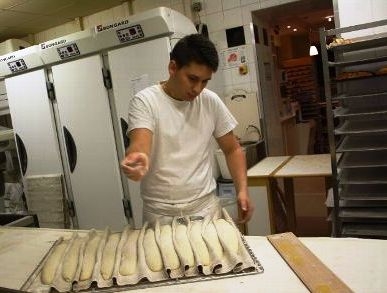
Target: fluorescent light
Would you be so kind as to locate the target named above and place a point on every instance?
(313, 51)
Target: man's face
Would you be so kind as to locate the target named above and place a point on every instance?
(188, 81)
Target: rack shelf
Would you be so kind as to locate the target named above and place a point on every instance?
(362, 143)
(357, 129)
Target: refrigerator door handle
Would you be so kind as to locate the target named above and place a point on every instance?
(71, 149)
(124, 128)
(22, 154)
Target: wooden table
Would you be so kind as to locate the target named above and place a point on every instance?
(267, 171)
(261, 174)
(360, 263)
(302, 166)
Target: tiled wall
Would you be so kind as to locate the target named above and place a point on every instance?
(218, 15)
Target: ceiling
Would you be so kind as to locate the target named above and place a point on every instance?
(305, 15)
(18, 18)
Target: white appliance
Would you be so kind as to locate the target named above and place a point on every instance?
(70, 112)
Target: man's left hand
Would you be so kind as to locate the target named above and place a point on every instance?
(246, 207)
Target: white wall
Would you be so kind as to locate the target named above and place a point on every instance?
(352, 12)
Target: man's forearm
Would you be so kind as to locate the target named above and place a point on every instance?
(236, 162)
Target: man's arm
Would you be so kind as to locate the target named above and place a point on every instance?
(136, 162)
(236, 162)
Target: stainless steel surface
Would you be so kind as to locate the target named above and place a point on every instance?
(363, 143)
(364, 111)
(362, 127)
(366, 159)
(368, 192)
(365, 230)
(363, 176)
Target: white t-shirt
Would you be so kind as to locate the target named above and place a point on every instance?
(180, 165)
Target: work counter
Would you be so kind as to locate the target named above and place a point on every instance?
(360, 263)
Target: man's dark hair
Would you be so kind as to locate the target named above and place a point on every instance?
(197, 48)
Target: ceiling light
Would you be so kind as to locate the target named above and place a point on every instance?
(329, 19)
(313, 51)
(288, 26)
(294, 29)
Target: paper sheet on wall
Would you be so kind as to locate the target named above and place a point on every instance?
(139, 83)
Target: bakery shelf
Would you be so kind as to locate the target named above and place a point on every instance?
(369, 192)
(373, 76)
(357, 62)
(363, 143)
(364, 96)
(366, 159)
(365, 230)
(376, 42)
(365, 213)
(377, 175)
(362, 127)
(348, 112)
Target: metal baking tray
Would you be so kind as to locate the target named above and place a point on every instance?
(367, 96)
(356, 112)
(369, 192)
(257, 269)
(362, 127)
(363, 229)
(365, 159)
(364, 213)
(377, 175)
(363, 143)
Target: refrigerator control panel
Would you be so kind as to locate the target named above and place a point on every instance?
(130, 33)
(17, 65)
(70, 50)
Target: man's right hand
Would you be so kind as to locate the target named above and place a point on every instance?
(135, 165)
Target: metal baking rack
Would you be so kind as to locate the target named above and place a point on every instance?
(357, 129)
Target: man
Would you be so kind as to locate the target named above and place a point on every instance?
(171, 126)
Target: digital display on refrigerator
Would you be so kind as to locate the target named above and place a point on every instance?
(130, 33)
(70, 50)
(17, 65)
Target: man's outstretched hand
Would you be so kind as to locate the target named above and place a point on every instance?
(135, 165)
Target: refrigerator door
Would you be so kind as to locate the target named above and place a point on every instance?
(85, 117)
(132, 69)
(33, 124)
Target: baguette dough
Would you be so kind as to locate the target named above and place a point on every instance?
(70, 262)
(212, 240)
(152, 252)
(52, 263)
(129, 254)
(109, 255)
(227, 235)
(198, 244)
(89, 257)
(167, 249)
(183, 246)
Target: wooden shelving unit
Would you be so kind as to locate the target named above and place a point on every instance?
(302, 86)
